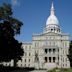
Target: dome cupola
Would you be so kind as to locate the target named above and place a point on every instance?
(52, 19)
(52, 23)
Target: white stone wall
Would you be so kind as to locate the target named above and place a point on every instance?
(52, 40)
(27, 59)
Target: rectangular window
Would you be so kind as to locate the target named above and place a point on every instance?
(35, 44)
(46, 51)
(28, 65)
(49, 59)
(49, 50)
(25, 53)
(58, 58)
(54, 50)
(53, 59)
(29, 54)
(45, 59)
(63, 65)
(25, 65)
(29, 60)
(29, 46)
(58, 50)
(66, 65)
(25, 60)
(21, 65)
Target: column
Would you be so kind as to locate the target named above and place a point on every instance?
(48, 59)
(51, 59)
(56, 61)
(52, 51)
(47, 51)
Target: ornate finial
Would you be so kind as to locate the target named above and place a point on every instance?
(52, 5)
(52, 8)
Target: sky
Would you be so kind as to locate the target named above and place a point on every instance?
(34, 13)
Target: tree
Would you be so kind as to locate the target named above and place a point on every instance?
(70, 53)
(6, 15)
(10, 48)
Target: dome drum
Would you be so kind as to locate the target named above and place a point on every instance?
(55, 29)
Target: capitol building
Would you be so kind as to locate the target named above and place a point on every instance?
(48, 49)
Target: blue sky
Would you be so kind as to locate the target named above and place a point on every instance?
(34, 13)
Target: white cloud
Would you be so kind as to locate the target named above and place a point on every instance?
(15, 2)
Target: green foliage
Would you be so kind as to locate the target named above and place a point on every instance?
(59, 70)
(6, 15)
(53, 70)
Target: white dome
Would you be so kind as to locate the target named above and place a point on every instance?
(52, 23)
(52, 19)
